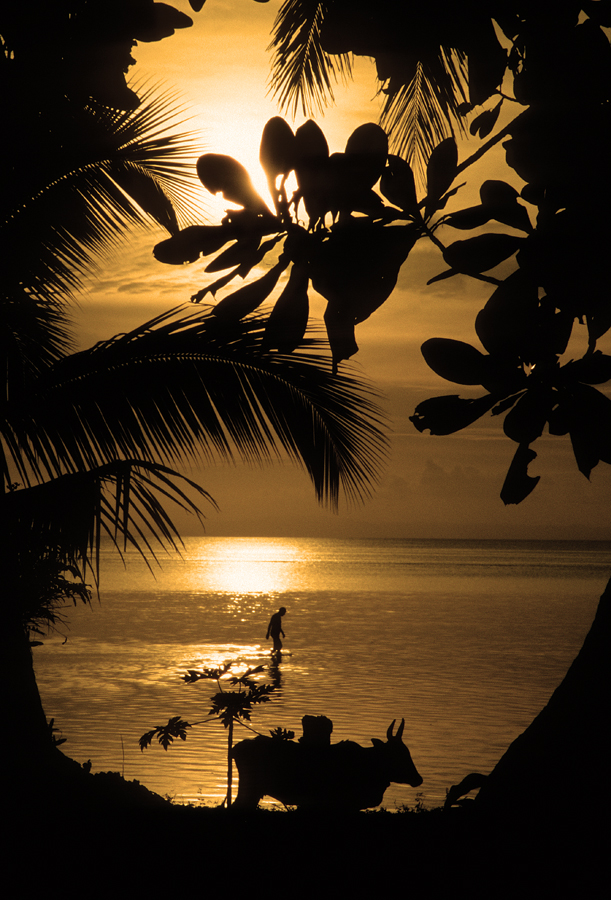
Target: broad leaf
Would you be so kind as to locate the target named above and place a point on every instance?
(358, 265)
(525, 422)
(224, 174)
(193, 242)
(398, 185)
(312, 168)
(277, 149)
(509, 316)
(515, 323)
(588, 414)
(463, 364)
(592, 369)
(440, 172)
(496, 193)
(487, 61)
(310, 143)
(340, 326)
(367, 149)
(288, 320)
(479, 254)
(446, 415)
(518, 483)
(455, 360)
(157, 21)
(244, 249)
(221, 282)
(246, 299)
(471, 217)
(501, 200)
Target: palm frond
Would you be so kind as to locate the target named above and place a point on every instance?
(104, 171)
(52, 531)
(188, 386)
(303, 74)
(424, 109)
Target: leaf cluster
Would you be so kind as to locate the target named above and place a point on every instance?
(226, 706)
(282, 734)
(362, 219)
(557, 261)
(166, 734)
(232, 706)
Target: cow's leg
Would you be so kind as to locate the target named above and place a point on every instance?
(248, 796)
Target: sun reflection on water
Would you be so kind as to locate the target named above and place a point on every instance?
(247, 566)
(214, 656)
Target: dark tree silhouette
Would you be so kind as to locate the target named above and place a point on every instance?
(446, 67)
(86, 436)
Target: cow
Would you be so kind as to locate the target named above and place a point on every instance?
(316, 774)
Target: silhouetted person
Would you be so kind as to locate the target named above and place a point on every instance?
(274, 629)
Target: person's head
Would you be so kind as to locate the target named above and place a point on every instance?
(282, 610)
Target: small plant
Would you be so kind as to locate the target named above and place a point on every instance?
(228, 707)
(282, 734)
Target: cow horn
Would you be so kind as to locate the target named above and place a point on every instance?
(399, 734)
(390, 728)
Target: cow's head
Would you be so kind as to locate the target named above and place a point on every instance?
(397, 757)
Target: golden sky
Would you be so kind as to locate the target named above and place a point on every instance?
(433, 486)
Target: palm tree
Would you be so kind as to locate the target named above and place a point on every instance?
(86, 436)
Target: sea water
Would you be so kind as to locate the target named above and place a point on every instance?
(465, 640)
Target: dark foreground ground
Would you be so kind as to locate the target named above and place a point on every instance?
(99, 836)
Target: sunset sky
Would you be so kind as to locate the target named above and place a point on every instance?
(433, 486)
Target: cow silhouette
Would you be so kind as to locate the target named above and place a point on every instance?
(313, 773)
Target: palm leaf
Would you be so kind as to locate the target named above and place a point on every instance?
(420, 112)
(183, 387)
(76, 201)
(52, 531)
(303, 74)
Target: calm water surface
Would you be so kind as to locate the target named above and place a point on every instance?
(466, 640)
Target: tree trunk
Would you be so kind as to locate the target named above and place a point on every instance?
(27, 746)
(558, 769)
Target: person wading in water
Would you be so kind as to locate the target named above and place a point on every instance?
(274, 629)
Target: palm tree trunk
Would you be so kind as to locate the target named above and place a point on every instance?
(559, 767)
(30, 747)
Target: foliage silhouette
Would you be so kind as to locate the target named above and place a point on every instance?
(557, 276)
(434, 61)
(86, 436)
(228, 707)
(551, 64)
(445, 70)
(354, 261)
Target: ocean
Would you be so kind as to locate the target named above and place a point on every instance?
(465, 640)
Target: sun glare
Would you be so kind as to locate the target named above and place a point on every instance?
(243, 565)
